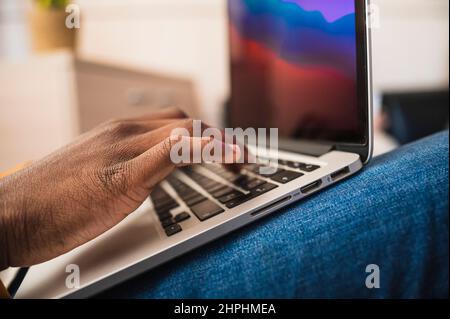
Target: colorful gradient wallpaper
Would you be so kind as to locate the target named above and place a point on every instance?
(293, 66)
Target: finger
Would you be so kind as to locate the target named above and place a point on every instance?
(145, 141)
(153, 166)
(151, 125)
(163, 114)
(202, 150)
(130, 128)
(245, 158)
(150, 139)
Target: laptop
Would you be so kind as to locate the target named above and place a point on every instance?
(302, 66)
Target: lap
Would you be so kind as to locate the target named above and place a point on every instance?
(393, 214)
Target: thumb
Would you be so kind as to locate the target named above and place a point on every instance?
(153, 166)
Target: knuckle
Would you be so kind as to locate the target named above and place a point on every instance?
(111, 122)
(114, 178)
(123, 128)
(179, 112)
(163, 153)
(124, 152)
(187, 124)
(167, 145)
(115, 126)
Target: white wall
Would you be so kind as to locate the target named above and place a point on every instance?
(410, 49)
(13, 30)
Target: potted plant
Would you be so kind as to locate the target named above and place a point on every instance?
(47, 21)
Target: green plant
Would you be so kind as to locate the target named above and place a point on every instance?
(53, 3)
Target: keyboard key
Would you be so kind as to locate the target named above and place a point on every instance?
(206, 210)
(266, 171)
(222, 192)
(207, 183)
(159, 193)
(195, 200)
(254, 168)
(164, 216)
(231, 196)
(283, 162)
(166, 207)
(162, 201)
(251, 183)
(173, 229)
(182, 217)
(167, 222)
(262, 189)
(309, 167)
(222, 172)
(215, 188)
(239, 201)
(295, 165)
(189, 196)
(231, 178)
(286, 177)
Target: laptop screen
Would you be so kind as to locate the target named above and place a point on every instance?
(294, 67)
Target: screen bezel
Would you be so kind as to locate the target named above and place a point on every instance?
(364, 143)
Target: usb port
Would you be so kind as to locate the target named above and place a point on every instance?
(310, 187)
(339, 174)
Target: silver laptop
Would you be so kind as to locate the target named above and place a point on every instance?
(297, 65)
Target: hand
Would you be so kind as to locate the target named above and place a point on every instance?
(84, 189)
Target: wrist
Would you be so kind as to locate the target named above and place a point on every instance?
(4, 250)
(6, 211)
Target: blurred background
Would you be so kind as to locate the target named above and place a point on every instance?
(133, 56)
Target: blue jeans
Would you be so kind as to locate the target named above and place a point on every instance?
(393, 214)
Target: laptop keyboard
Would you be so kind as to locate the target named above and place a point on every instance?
(201, 206)
(234, 190)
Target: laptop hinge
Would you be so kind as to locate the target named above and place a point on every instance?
(305, 147)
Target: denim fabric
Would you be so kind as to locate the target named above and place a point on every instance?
(393, 214)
